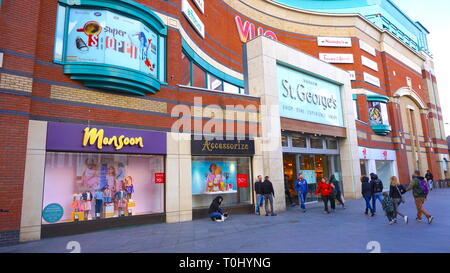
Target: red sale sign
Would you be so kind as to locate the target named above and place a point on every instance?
(242, 181)
(159, 178)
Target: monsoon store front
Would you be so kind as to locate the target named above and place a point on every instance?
(222, 168)
(101, 177)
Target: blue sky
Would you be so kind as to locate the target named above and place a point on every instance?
(435, 16)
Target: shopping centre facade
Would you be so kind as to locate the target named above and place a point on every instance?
(107, 125)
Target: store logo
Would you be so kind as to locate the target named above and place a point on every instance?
(210, 146)
(300, 93)
(93, 136)
(247, 31)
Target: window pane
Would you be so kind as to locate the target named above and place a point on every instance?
(375, 117)
(228, 87)
(199, 76)
(59, 39)
(284, 141)
(332, 144)
(214, 83)
(355, 108)
(213, 176)
(316, 143)
(185, 70)
(103, 185)
(298, 142)
(384, 114)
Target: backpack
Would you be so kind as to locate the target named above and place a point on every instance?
(378, 186)
(424, 188)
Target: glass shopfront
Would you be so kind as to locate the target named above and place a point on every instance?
(318, 157)
(90, 186)
(221, 167)
(94, 173)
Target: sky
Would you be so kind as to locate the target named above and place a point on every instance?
(435, 16)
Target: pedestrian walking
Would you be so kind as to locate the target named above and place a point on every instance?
(325, 189)
(301, 186)
(366, 191)
(215, 212)
(286, 190)
(259, 194)
(269, 194)
(377, 189)
(396, 192)
(337, 187)
(388, 207)
(429, 178)
(420, 190)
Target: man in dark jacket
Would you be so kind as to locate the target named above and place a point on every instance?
(215, 211)
(259, 194)
(269, 194)
(366, 191)
(419, 197)
(429, 177)
(377, 191)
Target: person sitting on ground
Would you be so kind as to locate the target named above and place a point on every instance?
(388, 207)
(215, 211)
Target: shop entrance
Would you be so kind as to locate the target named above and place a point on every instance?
(313, 168)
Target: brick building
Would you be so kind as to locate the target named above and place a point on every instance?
(92, 92)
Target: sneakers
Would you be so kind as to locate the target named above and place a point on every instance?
(418, 220)
(391, 222)
(395, 221)
(304, 210)
(366, 212)
(273, 214)
(430, 219)
(405, 218)
(326, 212)
(373, 214)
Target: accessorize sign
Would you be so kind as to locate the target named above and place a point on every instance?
(334, 42)
(193, 18)
(304, 97)
(82, 138)
(223, 147)
(336, 58)
(105, 37)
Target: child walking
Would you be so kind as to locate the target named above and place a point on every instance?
(388, 207)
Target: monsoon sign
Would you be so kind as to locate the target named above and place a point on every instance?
(307, 98)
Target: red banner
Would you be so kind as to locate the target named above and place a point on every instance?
(159, 178)
(242, 181)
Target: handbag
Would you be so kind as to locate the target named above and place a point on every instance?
(401, 195)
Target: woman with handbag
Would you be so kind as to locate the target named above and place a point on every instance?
(396, 192)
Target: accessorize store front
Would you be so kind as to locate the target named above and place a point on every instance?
(222, 168)
(100, 177)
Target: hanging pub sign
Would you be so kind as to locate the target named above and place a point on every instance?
(223, 147)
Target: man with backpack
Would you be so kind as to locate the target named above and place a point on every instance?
(377, 190)
(420, 188)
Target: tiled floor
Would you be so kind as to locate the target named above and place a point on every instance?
(346, 230)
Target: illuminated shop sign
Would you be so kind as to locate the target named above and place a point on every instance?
(233, 147)
(105, 37)
(82, 138)
(336, 58)
(334, 42)
(193, 18)
(304, 97)
(248, 31)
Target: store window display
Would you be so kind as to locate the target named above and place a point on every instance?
(97, 186)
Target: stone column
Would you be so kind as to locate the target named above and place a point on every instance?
(178, 178)
(31, 219)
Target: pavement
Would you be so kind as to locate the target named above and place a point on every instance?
(344, 231)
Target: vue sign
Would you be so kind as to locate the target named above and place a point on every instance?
(248, 31)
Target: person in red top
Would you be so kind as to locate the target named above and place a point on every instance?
(325, 189)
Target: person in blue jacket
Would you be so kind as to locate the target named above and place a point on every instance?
(301, 186)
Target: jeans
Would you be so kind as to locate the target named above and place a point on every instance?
(325, 202)
(368, 206)
(259, 202)
(268, 198)
(98, 205)
(376, 196)
(339, 198)
(302, 199)
(216, 215)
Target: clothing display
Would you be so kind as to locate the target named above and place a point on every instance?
(107, 195)
(76, 204)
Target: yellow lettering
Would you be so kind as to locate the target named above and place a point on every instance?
(120, 145)
(92, 136)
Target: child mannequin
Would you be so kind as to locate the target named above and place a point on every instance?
(87, 199)
(129, 188)
(121, 202)
(76, 204)
(98, 203)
